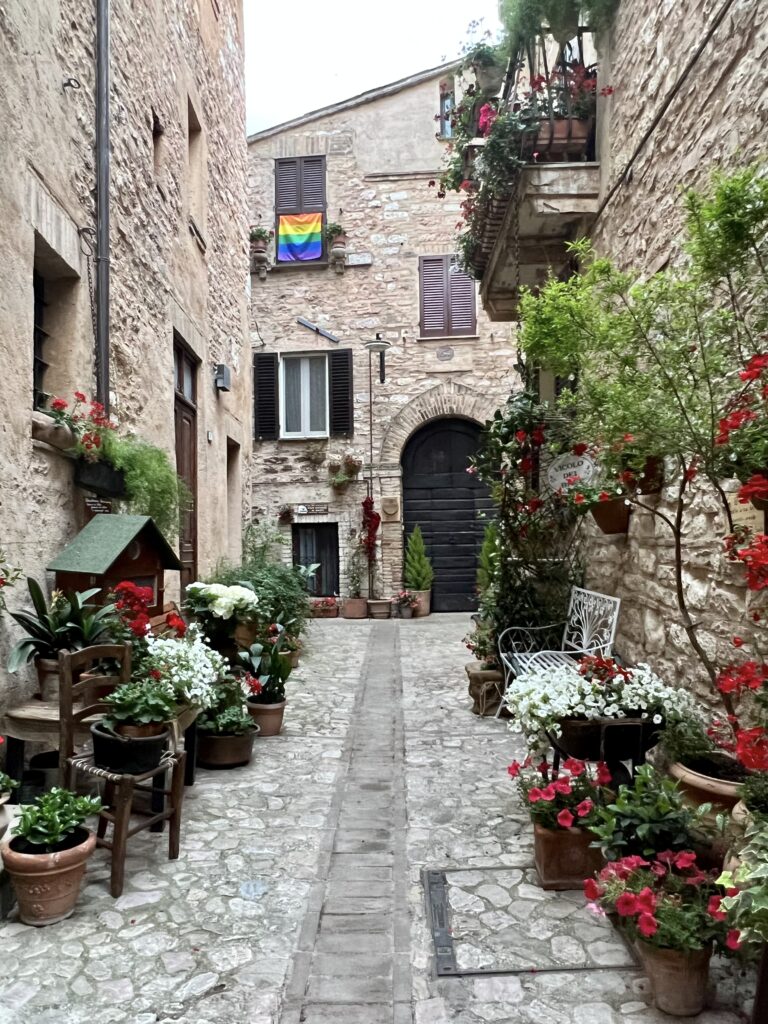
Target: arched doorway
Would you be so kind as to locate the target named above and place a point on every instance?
(444, 500)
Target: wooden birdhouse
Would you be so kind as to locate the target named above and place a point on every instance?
(113, 548)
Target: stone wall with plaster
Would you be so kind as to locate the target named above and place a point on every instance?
(717, 121)
(166, 281)
(380, 156)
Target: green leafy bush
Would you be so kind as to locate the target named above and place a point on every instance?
(152, 485)
(140, 703)
(54, 816)
(418, 573)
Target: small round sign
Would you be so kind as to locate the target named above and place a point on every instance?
(565, 466)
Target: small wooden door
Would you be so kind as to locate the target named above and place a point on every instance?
(185, 421)
(318, 542)
(444, 500)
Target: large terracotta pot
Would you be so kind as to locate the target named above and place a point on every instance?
(47, 884)
(607, 739)
(611, 516)
(225, 751)
(47, 679)
(678, 979)
(423, 603)
(706, 789)
(259, 244)
(268, 717)
(292, 658)
(379, 609)
(485, 687)
(319, 612)
(354, 608)
(564, 857)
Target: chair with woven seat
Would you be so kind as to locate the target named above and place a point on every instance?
(78, 707)
(590, 628)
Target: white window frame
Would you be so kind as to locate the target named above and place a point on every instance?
(304, 357)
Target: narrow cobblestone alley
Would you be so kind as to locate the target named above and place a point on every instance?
(298, 895)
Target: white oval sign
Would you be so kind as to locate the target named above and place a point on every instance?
(565, 466)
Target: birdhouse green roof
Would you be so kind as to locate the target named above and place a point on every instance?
(104, 539)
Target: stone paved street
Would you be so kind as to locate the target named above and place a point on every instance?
(298, 894)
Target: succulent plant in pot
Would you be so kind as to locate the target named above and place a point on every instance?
(47, 855)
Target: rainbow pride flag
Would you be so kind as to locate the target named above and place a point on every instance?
(299, 237)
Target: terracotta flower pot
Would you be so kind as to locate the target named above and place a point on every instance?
(423, 603)
(319, 612)
(611, 516)
(47, 884)
(47, 679)
(148, 729)
(354, 608)
(678, 979)
(706, 789)
(293, 658)
(563, 135)
(259, 244)
(379, 609)
(406, 611)
(564, 857)
(485, 686)
(225, 751)
(268, 717)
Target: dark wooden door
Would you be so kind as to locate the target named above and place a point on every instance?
(444, 500)
(185, 422)
(318, 542)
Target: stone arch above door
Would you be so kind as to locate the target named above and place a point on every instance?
(448, 399)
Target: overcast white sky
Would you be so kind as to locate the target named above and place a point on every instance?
(305, 54)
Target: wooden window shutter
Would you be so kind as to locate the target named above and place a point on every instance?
(433, 289)
(287, 186)
(265, 397)
(461, 301)
(340, 389)
(312, 183)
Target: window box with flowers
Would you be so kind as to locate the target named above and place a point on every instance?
(562, 807)
(325, 608)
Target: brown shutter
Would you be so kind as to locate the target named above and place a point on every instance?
(340, 389)
(287, 186)
(312, 183)
(265, 396)
(433, 288)
(461, 301)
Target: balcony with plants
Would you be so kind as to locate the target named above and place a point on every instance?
(523, 151)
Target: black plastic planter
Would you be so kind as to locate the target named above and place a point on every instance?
(101, 478)
(127, 755)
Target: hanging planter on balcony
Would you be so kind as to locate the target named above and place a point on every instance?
(563, 136)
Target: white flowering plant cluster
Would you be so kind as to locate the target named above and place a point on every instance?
(595, 687)
(214, 599)
(189, 667)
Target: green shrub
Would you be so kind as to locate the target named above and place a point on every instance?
(280, 588)
(418, 573)
(152, 485)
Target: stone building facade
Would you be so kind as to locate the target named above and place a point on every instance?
(716, 120)
(381, 159)
(179, 265)
(688, 99)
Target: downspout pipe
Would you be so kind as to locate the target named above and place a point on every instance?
(102, 202)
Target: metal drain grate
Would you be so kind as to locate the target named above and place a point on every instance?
(497, 921)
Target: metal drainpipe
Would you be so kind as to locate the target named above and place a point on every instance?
(102, 202)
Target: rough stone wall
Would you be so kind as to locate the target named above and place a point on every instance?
(163, 51)
(717, 121)
(380, 157)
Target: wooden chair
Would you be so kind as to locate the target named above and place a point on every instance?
(119, 789)
(118, 810)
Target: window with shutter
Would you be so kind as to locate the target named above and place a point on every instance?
(300, 208)
(447, 298)
(265, 396)
(341, 395)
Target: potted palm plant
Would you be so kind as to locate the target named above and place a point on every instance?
(47, 855)
(268, 668)
(67, 623)
(131, 739)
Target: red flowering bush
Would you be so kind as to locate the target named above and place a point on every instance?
(565, 800)
(371, 523)
(669, 902)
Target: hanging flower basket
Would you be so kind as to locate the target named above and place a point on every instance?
(611, 516)
(100, 478)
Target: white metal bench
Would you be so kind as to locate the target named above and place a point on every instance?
(589, 629)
